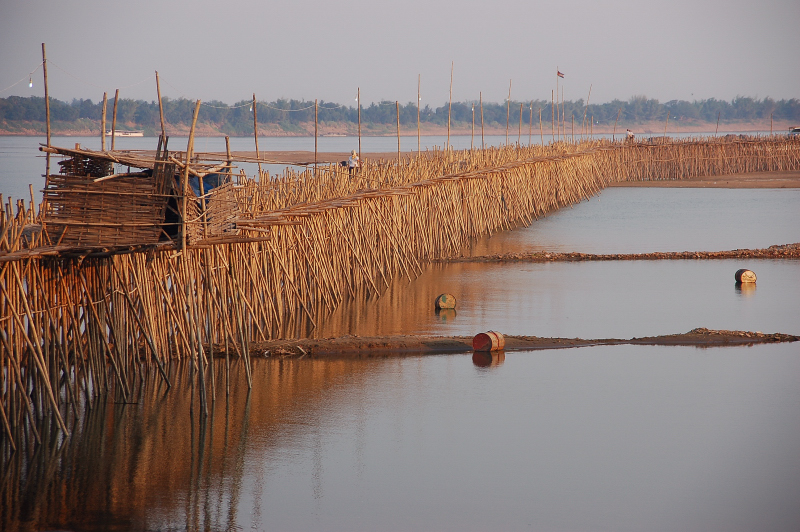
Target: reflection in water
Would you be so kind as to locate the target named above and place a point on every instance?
(446, 315)
(484, 359)
(612, 299)
(745, 289)
(675, 436)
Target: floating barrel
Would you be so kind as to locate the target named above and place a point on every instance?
(446, 301)
(745, 276)
(488, 341)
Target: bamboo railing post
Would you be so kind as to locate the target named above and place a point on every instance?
(472, 138)
(480, 96)
(719, 113)
(508, 110)
(541, 131)
(450, 105)
(160, 107)
(316, 125)
(358, 99)
(586, 110)
(397, 107)
(519, 133)
(114, 120)
(255, 134)
(185, 175)
(419, 99)
(47, 114)
(103, 124)
(530, 124)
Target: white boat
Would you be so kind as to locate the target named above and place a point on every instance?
(126, 133)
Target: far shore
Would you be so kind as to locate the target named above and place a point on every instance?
(515, 132)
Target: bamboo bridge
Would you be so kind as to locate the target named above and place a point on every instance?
(118, 273)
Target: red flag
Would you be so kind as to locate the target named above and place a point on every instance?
(559, 74)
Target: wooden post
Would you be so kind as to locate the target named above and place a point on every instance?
(472, 138)
(228, 153)
(614, 135)
(397, 107)
(358, 99)
(558, 115)
(316, 125)
(46, 97)
(114, 120)
(480, 95)
(530, 125)
(185, 175)
(519, 132)
(508, 110)
(770, 123)
(541, 131)
(583, 124)
(255, 134)
(103, 124)
(47, 115)
(717, 130)
(450, 105)
(419, 145)
(160, 107)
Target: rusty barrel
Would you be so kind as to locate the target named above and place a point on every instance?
(488, 341)
(745, 276)
(445, 301)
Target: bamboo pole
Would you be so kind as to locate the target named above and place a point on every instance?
(716, 131)
(419, 99)
(160, 107)
(316, 124)
(185, 175)
(480, 96)
(358, 99)
(541, 131)
(103, 124)
(397, 107)
(255, 133)
(508, 110)
(450, 105)
(586, 110)
(665, 125)
(530, 123)
(114, 120)
(519, 133)
(472, 137)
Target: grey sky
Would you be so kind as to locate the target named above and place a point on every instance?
(678, 49)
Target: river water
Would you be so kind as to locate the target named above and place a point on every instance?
(593, 438)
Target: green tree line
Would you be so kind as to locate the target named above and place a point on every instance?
(237, 119)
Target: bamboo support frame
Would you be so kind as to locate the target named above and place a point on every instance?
(77, 326)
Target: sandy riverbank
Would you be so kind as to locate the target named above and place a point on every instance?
(384, 346)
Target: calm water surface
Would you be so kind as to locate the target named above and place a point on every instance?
(599, 438)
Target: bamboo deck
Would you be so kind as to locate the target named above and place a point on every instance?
(270, 256)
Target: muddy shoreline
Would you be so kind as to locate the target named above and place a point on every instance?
(386, 346)
(783, 251)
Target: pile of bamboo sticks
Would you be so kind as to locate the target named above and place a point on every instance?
(72, 328)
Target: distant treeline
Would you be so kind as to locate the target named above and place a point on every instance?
(237, 119)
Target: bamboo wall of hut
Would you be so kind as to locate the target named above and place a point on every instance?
(272, 256)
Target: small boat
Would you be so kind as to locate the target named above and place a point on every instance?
(126, 133)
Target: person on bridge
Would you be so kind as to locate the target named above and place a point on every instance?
(629, 135)
(353, 163)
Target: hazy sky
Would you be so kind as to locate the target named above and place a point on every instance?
(214, 50)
